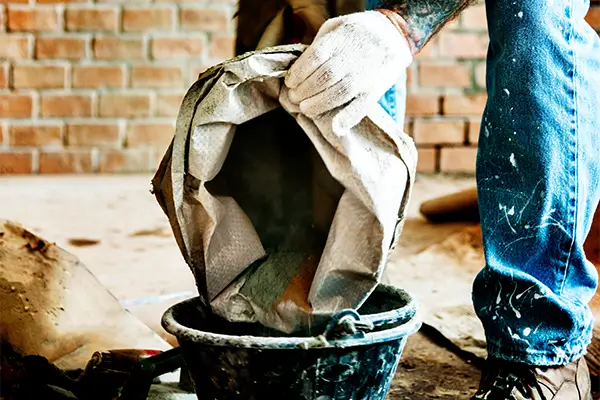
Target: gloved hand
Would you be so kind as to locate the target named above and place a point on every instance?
(352, 62)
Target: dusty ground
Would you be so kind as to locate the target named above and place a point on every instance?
(118, 230)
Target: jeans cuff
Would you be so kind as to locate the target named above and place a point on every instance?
(544, 355)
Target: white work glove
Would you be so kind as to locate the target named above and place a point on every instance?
(352, 62)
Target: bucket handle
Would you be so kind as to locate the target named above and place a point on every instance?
(347, 323)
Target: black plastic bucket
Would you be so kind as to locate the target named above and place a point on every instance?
(355, 358)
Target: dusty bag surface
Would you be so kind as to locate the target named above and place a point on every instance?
(282, 219)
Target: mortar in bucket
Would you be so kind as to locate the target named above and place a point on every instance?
(355, 358)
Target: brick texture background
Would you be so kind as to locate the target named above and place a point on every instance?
(95, 86)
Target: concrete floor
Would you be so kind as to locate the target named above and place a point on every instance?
(115, 226)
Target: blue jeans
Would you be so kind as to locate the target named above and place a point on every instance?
(538, 178)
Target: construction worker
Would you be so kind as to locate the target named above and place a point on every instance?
(538, 168)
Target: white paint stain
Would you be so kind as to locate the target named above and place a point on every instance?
(487, 132)
(517, 313)
(526, 332)
(520, 14)
(507, 91)
(512, 160)
(499, 293)
(511, 211)
(514, 60)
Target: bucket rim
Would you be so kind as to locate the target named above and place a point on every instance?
(182, 332)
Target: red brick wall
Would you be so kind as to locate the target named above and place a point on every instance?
(94, 86)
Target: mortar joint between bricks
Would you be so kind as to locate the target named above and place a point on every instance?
(35, 161)
(95, 160)
(122, 124)
(175, 17)
(119, 18)
(60, 10)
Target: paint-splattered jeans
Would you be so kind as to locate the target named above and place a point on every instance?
(538, 176)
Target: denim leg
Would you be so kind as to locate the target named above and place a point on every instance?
(538, 176)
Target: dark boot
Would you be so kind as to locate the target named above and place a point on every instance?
(503, 380)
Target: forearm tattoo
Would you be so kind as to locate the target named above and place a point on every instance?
(424, 18)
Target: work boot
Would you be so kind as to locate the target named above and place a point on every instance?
(503, 380)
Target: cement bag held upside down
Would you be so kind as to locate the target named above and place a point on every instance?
(282, 219)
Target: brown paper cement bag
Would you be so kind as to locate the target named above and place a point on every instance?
(282, 219)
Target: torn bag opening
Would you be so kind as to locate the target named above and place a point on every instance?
(283, 220)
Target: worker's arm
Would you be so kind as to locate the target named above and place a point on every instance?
(356, 58)
(420, 20)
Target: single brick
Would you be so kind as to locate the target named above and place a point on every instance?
(474, 17)
(98, 76)
(408, 126)
(433, 132)
(115, 48)
(153, 134)
(147, 19)
(92, 19)
(115, 105)
(203, 19)
(463, 45)
(445, 76)
(154, 76)
(410, 76)
(16, 106)
(16, 163)
(66, 105)
(14, 47)
(176, 48)
(428, 159)
(480, 71)
(93, 134)
(66, 162)
(3, 77)
(167, 104)
(462, 104)
(458, 159)
(593, 17)
(33, 20)
(35, 135)
(430, 51)
(222, 47)
(422, 104)
(60, 47)
(39, 76)
(474, 128)
(125, 161)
